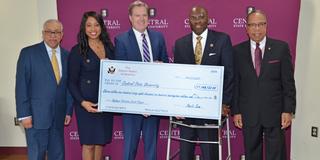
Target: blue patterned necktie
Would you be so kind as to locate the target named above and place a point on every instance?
(145, 48)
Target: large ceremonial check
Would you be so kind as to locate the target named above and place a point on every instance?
(164, 89)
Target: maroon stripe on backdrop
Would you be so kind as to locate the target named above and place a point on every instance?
(13, 150)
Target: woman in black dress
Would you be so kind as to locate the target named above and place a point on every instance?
(94, 44)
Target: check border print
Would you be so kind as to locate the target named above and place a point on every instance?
(163, 89)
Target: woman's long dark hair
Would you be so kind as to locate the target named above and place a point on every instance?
(83, 38)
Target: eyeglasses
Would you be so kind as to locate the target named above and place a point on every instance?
(256, 25)
(55, 33)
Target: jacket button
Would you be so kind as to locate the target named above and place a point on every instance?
(88, 81)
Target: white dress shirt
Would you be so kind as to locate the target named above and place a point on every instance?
(262, 46)
(139, 40)
(58, 54)
(204, 36)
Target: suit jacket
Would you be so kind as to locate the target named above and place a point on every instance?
(261, 100)
(127, 47)
(84, 74)
(217, 51)
(37, 92)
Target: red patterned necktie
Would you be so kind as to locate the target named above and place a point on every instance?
(257, 59)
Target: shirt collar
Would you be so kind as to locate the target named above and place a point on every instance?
(203, 34)
(49, 49)
(138, 34)
(262, 43)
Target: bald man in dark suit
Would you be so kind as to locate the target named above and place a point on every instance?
(216, 49)
(265, 94)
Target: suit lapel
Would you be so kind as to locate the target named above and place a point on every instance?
(63, 63)
(189, 52)
(209, 46)
(46, 61)
(153, 44)
(134, 46)
(266, 56)
(248, 58)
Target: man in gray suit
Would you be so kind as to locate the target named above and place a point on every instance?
(42, 101)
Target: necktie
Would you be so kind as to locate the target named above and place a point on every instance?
(55, 66)
(145, 48)
(198, 51)
(257, 59)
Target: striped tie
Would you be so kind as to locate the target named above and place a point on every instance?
(55, 66)
(145, 48)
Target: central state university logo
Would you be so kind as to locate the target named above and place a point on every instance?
(250, 9)
(152, 12)
(232, 133)
(163, 134)
(211, 24)
(109, 23)
(156, 22)
(239, 22)
(73, 135)
(118, 134)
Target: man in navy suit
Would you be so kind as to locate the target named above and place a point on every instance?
(140, 44)
(42, 101)
(265, 94)
(204, 47)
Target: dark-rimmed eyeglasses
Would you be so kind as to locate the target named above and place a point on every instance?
(55, 33)
(256, 25)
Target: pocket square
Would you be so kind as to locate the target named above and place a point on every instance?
(274, 61)
(212, 54)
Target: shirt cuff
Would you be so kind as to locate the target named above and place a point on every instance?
(22, 118)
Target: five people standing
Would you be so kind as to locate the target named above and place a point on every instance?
(259, 80)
